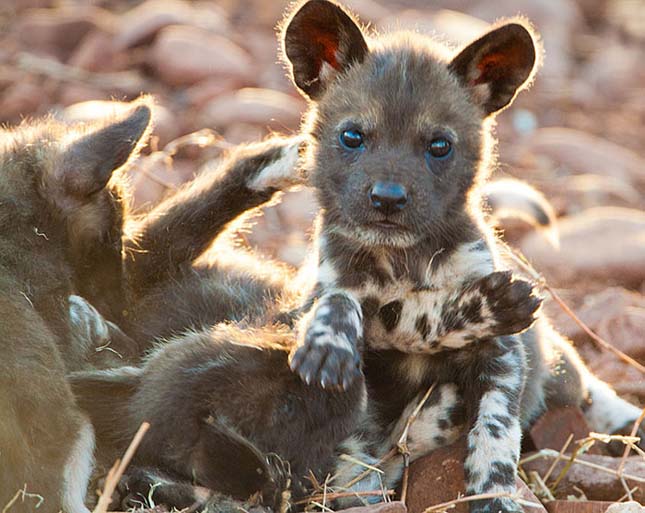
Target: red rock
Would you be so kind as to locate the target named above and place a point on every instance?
(605, 244)
(140, 25)
(626, 507)
(255, 106)
(77, 93)
(201, 93)
(21, 99)
(384, 507)
(616, 314)
(611, 369)
(439, 477)
(164, 124)
(57, 31)
(584, 153)
(368, 10)
(611, 69)
(153, 178)
(553, 428)
(458, 27)
(238, 133)
(184, 55)
(595, 484)
(95, 52)
(19, 5)
(577, 506)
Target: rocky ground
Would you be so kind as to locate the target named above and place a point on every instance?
(577, 135)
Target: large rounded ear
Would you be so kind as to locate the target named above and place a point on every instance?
(497, 65)
(88, 162)
(321, 40)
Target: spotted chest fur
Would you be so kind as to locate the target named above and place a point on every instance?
(425, 306)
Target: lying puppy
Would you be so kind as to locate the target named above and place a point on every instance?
(63, 210)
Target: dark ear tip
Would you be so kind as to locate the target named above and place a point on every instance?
(523, 32)
(141, 115)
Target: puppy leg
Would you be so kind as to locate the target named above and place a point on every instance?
(491, 306)
(494, 440)
(439, 423)
(329, 353)
(97, 341)
(182, 227)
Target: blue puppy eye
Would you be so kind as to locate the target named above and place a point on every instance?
(439, 148)
(351, 139)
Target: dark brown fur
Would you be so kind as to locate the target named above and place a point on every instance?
(57, 223)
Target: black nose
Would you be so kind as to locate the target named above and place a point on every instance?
(388, 197)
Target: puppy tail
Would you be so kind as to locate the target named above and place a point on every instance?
(509, 198)
(104, 395)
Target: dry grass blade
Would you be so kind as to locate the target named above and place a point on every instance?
(541, 486)
(555, 462)
(550, 453)
(483, 496)
(521, 260)
(340, 495)
(117, 471)
(402, 444)
(628, 446)
(22, 493)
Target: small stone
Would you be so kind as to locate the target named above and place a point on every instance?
(553, 427)
(604, 244)
(263, 107)
(183, 55)
(577, 506)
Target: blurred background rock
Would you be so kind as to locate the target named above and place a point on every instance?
(578, 135)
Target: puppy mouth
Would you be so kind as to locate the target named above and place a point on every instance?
(387, 225)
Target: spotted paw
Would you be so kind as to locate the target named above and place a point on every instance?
(326, 359)
(512, 303)
(497, 505)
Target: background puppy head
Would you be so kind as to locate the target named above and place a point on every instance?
(398, 122)
(61, 179)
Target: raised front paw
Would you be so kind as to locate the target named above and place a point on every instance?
(496, 505)
(326, 358)
(281, 167)
(512, 304)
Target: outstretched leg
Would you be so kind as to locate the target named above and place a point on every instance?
(181, 228)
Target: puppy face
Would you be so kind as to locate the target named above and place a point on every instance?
(398, 125)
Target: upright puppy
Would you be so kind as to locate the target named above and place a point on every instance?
(407, 266)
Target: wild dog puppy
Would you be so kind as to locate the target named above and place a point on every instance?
(62, 211)
(226, 414)
(57, 217)
(407, 267)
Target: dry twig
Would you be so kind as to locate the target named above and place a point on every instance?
(128, 81)
(402, 444)
(117, 470)
(521, 260)
(469, 498)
